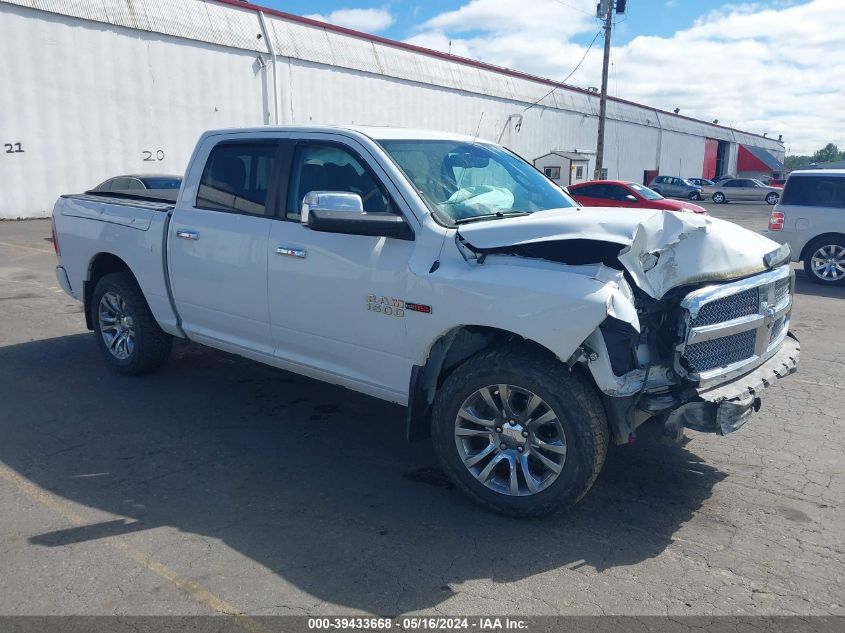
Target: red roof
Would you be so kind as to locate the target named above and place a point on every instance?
(460, 60)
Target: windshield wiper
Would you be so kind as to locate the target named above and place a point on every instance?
(491, 216)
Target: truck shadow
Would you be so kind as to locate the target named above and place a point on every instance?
(313, 482)
(805, 286)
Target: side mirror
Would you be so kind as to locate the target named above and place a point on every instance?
(631, 198)
(335, 201)
(340, 212)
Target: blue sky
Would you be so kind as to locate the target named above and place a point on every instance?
(750, 64)
(643, 17)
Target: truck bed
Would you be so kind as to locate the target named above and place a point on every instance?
(99, 229)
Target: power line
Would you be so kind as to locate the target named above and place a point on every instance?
(574, 8)
(574, 70)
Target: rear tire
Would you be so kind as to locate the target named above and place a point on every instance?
(719, 198)
(825, 261)
(560, 443)
(126, 331)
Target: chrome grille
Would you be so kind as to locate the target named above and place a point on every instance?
(741, 304)
(728, 329)
(719, 352)
(777, 328)
(781, 290)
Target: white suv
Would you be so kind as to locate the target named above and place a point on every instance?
(811, 219)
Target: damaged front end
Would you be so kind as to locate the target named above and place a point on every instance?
(698, 316)
(700, 358)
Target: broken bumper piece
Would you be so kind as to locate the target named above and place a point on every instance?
(726, 408)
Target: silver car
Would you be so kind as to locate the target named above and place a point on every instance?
(741, 189)
(811, 219)
(671, 187)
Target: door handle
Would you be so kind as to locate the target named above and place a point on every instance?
(291, 252)
(187, 235)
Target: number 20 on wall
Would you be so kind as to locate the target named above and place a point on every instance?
(152, 157)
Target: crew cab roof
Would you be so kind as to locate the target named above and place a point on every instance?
(377, 133)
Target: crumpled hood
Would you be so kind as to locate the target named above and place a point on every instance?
(661, 250)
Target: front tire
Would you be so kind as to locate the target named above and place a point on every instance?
(719, 198)
(694, 195)
(126, 331)
(772, 198)
(825, 261)
(519, 433)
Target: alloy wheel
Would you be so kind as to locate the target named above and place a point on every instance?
(510, 440)
(828, 262)
(117, 327)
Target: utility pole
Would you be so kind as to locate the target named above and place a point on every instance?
(604, 9)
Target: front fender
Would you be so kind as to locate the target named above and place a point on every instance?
(554, 305)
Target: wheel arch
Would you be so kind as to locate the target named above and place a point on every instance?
(805, 251)
(448, 351)
(101, 264)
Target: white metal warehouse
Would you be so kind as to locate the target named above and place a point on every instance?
(97, 88)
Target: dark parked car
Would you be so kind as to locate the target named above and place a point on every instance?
(154, 185)
(616, 193)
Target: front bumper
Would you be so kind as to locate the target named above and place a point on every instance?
(726, 407)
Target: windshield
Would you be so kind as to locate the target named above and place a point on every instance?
(688, 183)
(463, 181)
(645, 192)
(758, 183)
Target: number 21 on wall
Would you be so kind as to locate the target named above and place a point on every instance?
(13, 148)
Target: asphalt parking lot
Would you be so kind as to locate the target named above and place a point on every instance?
(221, 485)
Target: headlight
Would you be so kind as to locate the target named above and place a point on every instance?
(777, 257)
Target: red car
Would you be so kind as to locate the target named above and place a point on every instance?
(616, 193)
(777, 182)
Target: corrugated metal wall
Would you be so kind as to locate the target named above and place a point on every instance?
(95, 88)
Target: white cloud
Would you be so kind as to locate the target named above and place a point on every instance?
(367, 20)
(759, 69)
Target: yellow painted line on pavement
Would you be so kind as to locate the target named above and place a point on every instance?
(49, 251)
(188, 586)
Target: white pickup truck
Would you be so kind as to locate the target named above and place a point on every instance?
(444, 273)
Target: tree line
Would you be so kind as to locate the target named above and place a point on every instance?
(826, 154)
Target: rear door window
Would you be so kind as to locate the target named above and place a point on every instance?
(588, 191)
(815, 191)
(237, 177)
(615, 192)
(119, 184)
